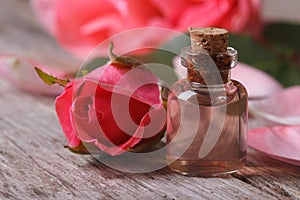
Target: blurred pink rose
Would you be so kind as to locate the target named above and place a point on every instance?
(79, 26)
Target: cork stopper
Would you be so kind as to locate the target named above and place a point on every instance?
(209, 59)
(213, 40)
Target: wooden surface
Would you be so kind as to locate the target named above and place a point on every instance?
(34, 164)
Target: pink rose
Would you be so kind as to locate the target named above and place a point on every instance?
(114, 107)
(80, 26)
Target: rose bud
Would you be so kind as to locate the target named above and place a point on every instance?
(116, 108)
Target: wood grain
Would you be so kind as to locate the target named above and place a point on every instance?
(34, 164)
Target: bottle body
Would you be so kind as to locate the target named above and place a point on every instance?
(206, 128)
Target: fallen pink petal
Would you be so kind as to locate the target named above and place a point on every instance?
(279, 108)
(279, 142)
(21, 73)
(258, 83)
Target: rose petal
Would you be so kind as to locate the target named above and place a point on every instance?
(212, 10)
(63, 110)
(84, 25)
(280, 108)
(138, 135)
(258, 83)
(74, 24)
(20, 72)
(85, 121)
(154, 121)
(141, 12)
(120, 115)
(92, 130)
(280, 142)
(171, 10)
(100, 117)
(122, 80)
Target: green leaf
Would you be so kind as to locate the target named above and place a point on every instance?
(49, 79)
(285, 41)
(285, 37)
(165, 53)
(92, 65)
(267, 59)
(253, 53)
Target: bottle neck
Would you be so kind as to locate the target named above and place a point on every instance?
(209, 70)
(212, 78)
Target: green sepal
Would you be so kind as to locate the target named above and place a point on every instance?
(49, 79)
(164, 93)
(123, 60)
(150, 145)
(84, 149)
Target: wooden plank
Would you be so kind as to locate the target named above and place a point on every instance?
(34, 164)
(271, 176)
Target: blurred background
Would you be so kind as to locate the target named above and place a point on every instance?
(27, 30)
(286, 11)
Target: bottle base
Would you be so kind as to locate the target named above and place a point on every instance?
(205, 168)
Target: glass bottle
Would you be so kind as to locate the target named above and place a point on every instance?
(207, 111)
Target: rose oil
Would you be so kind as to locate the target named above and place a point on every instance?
(207, 111)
